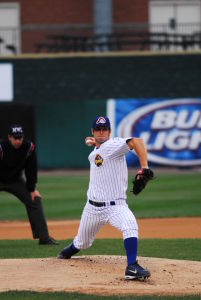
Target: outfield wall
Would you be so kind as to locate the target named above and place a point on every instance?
(66, 92)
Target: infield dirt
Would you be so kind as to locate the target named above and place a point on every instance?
(148, 228)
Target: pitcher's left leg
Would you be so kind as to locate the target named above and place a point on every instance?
(123, 219)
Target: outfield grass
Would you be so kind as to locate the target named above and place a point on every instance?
(187, 249)
(174, 195)
(76, 296)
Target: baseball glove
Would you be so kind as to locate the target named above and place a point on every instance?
(141, 179)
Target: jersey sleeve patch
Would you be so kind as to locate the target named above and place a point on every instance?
(1, 153)
(31, 149)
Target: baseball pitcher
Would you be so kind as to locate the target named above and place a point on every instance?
(106, 195)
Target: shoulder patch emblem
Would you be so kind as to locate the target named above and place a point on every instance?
(31, 149)
(98, 160)
(1, 153)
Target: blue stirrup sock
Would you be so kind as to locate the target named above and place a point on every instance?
(131, 245)
(74, 248)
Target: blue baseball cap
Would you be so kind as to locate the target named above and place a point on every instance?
(101, 121)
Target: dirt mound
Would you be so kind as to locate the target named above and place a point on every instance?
(100, 275)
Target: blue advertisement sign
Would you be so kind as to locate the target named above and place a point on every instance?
(171, 129)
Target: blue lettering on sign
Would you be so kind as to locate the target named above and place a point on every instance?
(171, 129)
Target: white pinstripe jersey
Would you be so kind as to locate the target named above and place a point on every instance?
(108, 171)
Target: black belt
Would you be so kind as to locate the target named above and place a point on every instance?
(100, 204)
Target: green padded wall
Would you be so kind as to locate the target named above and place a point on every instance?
(61, 130)
(64, 79)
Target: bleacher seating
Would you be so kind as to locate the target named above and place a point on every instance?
(118, 41)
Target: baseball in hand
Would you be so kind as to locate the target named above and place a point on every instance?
(89, 141)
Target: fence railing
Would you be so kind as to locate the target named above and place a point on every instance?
(65, 38)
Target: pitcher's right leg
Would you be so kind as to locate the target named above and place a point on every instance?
(89, 225)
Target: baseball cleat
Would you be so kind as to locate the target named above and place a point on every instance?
(135, 271)
(48, 241)
(67, 252)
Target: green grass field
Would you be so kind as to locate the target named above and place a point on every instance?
(173, 195)
(187, 249)
(64, 198)
(75, 296)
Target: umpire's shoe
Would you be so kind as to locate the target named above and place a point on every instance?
(135, 271)
(67, 252)
(48, 241)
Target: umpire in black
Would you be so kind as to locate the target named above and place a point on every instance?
(17, 155)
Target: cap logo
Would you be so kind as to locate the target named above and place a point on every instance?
(17, 130)
(101, 120)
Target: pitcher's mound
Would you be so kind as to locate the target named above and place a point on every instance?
(100, 275)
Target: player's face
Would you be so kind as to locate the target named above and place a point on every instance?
(101, 134)
(15, 142)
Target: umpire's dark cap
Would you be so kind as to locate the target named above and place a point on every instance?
(101, 121)
(16, 131)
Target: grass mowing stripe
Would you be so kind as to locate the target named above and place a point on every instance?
(172, 195)
(187, 249)
(75, 296)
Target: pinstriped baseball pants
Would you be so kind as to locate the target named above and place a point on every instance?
(93, 218)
